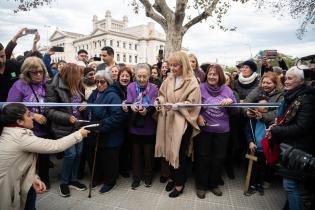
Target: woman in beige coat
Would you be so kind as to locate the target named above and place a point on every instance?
(18, 148)
(177, 125)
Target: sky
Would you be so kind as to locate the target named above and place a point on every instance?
(256, 29)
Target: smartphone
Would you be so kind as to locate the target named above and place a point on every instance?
(251, 110)
(30, 31)
(58, 49)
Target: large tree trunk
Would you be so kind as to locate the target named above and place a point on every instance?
(174, 40)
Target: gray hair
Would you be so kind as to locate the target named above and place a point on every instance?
(106, 75)
(277, 69)
(296, 72)
(142, 66)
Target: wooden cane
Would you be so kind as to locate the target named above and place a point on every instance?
(93, 167)
(251, 158)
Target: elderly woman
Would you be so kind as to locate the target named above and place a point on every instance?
(142, 126)
(269, 86)
(177, 125)
(66, 87)
(211, 147)
(200, 75)
(295, 126)
(110, 137)
(30, 88)
(18, 154)
(247, 80)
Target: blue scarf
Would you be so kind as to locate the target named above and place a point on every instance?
(142, 94)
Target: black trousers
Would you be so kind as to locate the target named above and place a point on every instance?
(125, 154)
(259, 169)
(179, 175)
(210, 152)
(109, 164)
(142, 156)
(43, 167)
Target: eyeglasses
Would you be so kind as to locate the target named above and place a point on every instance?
(39, 72)
(102, 82)
(174, 65)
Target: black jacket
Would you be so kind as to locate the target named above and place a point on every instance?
(57, 91)
(299, 132)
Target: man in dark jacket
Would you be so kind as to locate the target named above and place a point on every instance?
(107, 55)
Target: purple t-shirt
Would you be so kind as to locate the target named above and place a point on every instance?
(217, 118)
(22, 92)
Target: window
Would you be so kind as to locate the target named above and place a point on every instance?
(118, 57)
(124, 45)
(136, 46)
(117, 43)
(111, 42)
(136, 59)
(100, 43)
(130, 59)
(130, 46)
(124, 58)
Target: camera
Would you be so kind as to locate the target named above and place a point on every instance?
(307, 64)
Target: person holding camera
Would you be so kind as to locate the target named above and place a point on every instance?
(295, 127)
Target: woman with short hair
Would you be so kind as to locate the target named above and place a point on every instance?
(295, 126)
(142, 127)
(110, 137)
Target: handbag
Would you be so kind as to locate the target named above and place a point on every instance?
(271, 150)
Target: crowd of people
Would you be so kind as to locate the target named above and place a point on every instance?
(137, 136)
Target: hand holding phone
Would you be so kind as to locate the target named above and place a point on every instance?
(57, 49)
(30, 31)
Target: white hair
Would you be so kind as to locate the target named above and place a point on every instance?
(106, 75)
(142, 66)
(296, 72)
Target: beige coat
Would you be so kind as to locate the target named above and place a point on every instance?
(172, 124)
(18, 148)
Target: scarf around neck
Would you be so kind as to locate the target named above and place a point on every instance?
(248, 80)
(214, 90)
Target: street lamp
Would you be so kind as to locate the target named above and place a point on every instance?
(47, 27)
(250, 49)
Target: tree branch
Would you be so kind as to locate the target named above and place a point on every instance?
(152, 14)
(162, 7)
(206, 13)
(180, 11)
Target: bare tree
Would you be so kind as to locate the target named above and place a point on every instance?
(174, 21)
(303, 10)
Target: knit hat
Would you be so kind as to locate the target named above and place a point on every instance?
(251, 64)
(87, 70)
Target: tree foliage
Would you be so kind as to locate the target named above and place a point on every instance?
(303, 10)
(27, 5)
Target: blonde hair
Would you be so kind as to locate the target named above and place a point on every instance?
(182, 59)
(274, 78)
(71, 76)
(29, 64)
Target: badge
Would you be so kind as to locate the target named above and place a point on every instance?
(13, 74)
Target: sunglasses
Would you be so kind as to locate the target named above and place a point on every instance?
(102, 82)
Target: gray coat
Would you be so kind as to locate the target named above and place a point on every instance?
(58, 92)
(274, 97)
